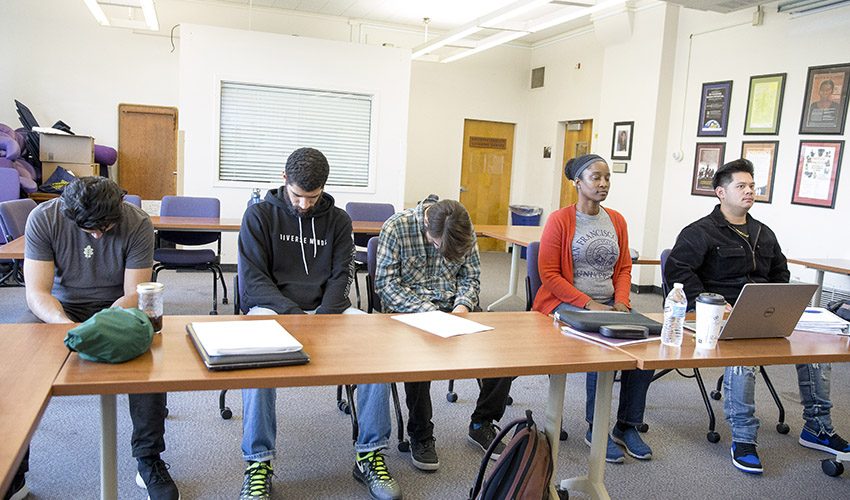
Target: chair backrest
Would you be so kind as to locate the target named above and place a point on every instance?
(377, 212)
(189, 206)
(665, 287)
(133, 199)
(13, 215)
(373, 301)
(10, 185)
(532, 279)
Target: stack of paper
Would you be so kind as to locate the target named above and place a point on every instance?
(221, 338)
(819, 320)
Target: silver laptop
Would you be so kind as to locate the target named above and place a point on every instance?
(766, 310)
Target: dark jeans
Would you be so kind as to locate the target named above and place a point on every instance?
(147, 411)
(490, 405)
(633, 387)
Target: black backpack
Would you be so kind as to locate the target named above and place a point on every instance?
(523, 470)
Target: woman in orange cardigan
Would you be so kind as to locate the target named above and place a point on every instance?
(584, 263)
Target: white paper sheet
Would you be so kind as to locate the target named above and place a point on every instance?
(245, 337)
(442, 324)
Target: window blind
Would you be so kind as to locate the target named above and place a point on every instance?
(260, 125)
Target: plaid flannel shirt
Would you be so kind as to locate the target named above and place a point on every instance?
(412, 275)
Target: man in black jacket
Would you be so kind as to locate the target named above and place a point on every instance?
(720, 253)
(296, 254)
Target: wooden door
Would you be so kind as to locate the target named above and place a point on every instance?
(576, 143)
(147, 150)
(485, 179)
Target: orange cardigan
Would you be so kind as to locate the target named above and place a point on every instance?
(555, 262)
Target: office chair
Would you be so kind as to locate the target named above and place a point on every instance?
(712, 435)
(373, 212)
(133, 199)
(532, 285)
(13, 223)
(202, 259)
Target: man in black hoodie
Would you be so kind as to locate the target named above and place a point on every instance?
(296, 256)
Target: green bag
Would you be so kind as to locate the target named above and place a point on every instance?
(113, 335)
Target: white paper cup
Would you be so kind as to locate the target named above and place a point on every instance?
(710, 309)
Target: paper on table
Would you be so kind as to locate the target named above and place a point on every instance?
(598, 337)
(443, 324)
(244, 337)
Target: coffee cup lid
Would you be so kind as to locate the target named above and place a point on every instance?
(711, 298)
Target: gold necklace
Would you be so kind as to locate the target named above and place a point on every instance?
(743, 234)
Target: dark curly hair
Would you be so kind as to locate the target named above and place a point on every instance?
(307, 168)
(93, 203)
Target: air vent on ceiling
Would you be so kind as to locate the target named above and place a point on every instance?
(537, 76)
(724, 6)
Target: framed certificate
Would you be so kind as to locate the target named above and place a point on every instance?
(714, 109)
(763, 157)
(818, 166)
(764, 104)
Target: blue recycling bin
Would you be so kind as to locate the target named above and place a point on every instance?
(525, 215)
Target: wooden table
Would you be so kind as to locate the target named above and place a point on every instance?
(821, 266)
(13, 250)
(518, 237)
(522, 343)
(34, 355)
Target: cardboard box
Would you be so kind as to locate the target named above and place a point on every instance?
(79, 169)
(66, 148)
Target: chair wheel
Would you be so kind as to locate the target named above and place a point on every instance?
(564, 435)
(712, 437)
(782, 428)
(226, 413)
(451, 397)
(510, 401)
(224, 300)
(343, 406)
(404, 446)
(642, 427)
(715, 395)
(832, 468)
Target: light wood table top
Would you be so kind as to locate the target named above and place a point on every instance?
(34, 354)
(800, 347)
(520, 344)
(520, 235)
(209, 224)
(13, 250)
(840, 266)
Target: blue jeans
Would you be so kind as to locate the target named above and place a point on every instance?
(259, 420)
(739, 401)
(633, 387)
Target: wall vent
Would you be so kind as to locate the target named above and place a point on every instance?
(537, 77)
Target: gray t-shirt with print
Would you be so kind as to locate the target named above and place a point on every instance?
(89, 269)
(595, 251)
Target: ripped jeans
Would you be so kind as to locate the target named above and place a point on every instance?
(739, 399)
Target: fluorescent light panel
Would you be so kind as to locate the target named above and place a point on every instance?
(146, 6)
(97, 12)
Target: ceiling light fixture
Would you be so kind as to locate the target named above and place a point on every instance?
(97, 12)
(112, 15)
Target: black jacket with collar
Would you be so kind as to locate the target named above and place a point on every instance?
(710, 256)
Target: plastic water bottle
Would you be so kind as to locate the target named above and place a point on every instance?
(255, 196)
(675, 306)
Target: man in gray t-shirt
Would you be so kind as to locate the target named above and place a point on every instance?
(87, 251)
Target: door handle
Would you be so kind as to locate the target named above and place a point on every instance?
(463, 189)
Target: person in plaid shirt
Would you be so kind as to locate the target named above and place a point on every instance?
(427, 260)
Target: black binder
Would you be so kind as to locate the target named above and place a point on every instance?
(590, 321)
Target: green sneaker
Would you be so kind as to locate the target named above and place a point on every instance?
(369, 469)
(258, 481)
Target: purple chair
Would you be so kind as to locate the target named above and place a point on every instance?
(10, 185)
(200, 259)
(532, 278)
(13, 223)
(373, 212)
(133, 199)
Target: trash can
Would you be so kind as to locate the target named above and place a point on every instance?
(525, 215)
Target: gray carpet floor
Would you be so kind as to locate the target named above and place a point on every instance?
(315, 455)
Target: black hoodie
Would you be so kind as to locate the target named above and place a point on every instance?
(292, 264)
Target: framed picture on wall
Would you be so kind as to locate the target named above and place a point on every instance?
(825, 100)
(763, 156)
(708, 158)
(764, 104)
(818, 166)
(714, 109)
(621, 146)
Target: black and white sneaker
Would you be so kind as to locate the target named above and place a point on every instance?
(424, 454)
(18, 489)
(483, 436)
(153, 476)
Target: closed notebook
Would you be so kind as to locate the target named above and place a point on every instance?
(590, 321)
(231, 345)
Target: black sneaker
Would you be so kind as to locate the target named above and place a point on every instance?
(18, 490)
(258, 481)
(483, 436)
(424, 454)
(745, 458)
(153, 476)
(370, 469)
